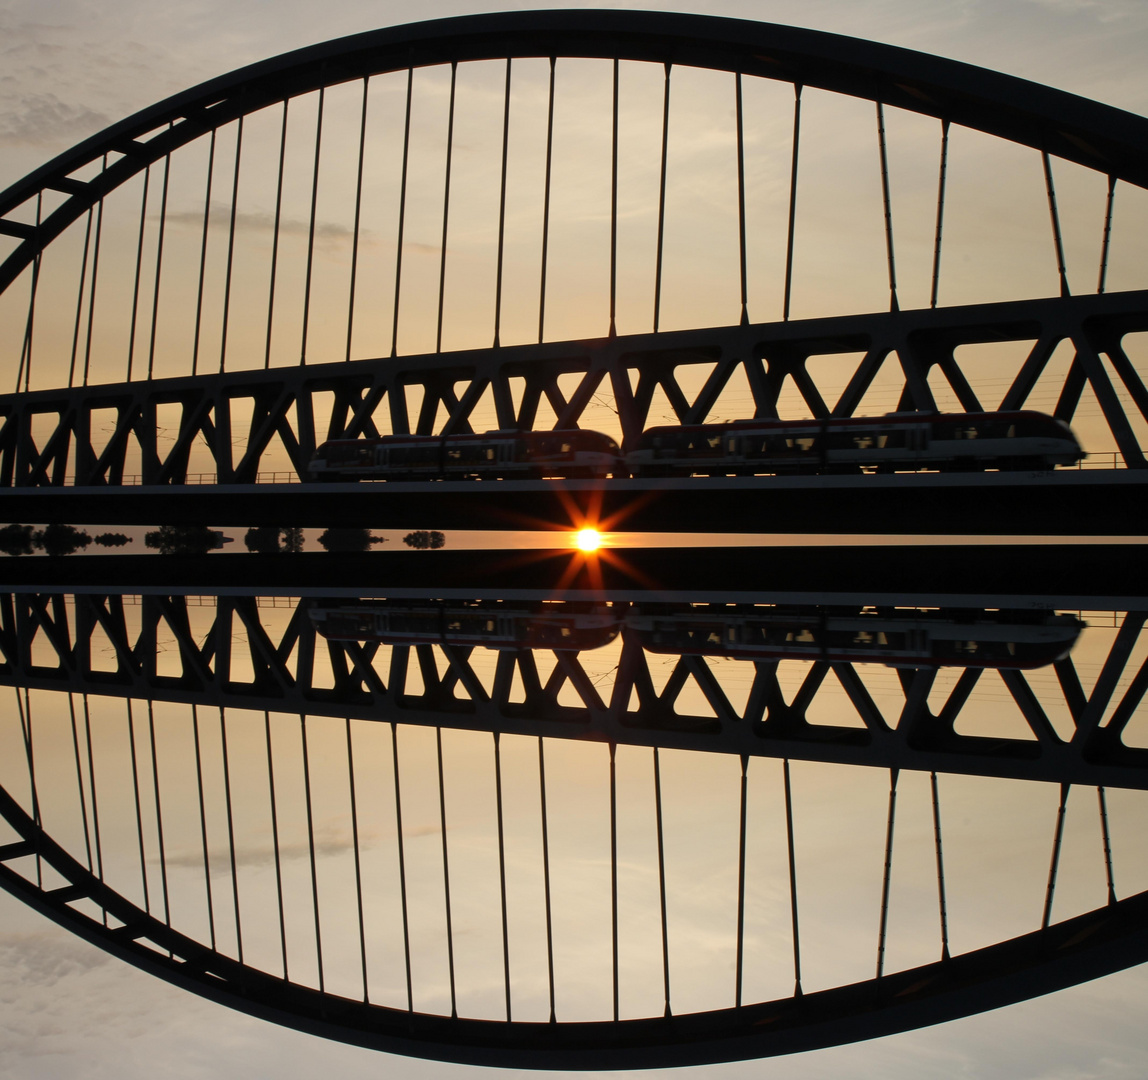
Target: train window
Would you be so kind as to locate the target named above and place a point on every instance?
(566, 448)
(714, 442)
(454, 454)
(490, 453)
(863, 442)
(967, 432)
(1011, 434)
(804, 443)
(731, 446)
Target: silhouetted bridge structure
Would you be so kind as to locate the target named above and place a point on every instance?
(199, 290)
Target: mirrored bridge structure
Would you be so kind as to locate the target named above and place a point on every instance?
(652, 807)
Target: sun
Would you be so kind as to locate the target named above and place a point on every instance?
(588, 539)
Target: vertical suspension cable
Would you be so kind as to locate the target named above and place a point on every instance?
(139, 268)
(445, 206)
(941, 902)
(614, 220)
(402, 216)
(887, 876)
(1107, 844)
(311, 850)
(402, 864)
(95, 798)
(203, 827)
(792, 879)
(614, 859)
(741, 206)
(1055, 861)
(358, 209)
(158, 262)
(203, 256)
(92, 287)
(941, 177)
(311, 229)
(1105, 243)
(358, 861)
(446, 877)
(158, 812)
(662, 879)
(230, 248)
(275, 239)
(231, 833)
(80, 780)
(502, 871)
(1055, 218)
(888, 203)
(741, 882)
(139, 806)
(275, 838)
(546, 873)
(80, 299)
(792, 202)
(546, 207)
(502, 209)
(662, 199)
(25, 369)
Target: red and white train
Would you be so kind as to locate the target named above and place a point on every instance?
(898, 442)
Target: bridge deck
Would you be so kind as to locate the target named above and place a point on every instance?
(1063, 503)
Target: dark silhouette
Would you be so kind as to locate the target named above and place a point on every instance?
(349, 539)
(16, 539)
(112, 539)
(292, 540)
(263, 540)
(60, 539)
(183, 539)
(424, 539)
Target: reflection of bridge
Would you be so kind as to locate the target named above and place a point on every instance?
(220, 763)
(288, 668)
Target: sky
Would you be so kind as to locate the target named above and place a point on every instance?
(71, 68)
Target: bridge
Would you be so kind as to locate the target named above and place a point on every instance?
(605, 220)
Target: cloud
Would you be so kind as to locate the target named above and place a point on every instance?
(42, 119)
(329, 234)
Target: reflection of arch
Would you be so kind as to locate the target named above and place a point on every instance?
(1061, 955)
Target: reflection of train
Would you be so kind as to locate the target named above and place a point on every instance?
(899, 441)
(516, 455)
(898, 637)
(496, 624)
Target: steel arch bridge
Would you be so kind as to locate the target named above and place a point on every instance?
(99, 407)
(110, 391)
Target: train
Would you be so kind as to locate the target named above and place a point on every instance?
(896, 442)
(493, 455)
(897, 637)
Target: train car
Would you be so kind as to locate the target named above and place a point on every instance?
(493, 624)
(896, 442)
(570, 453)
(895, 637)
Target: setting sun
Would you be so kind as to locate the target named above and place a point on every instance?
(588, 539)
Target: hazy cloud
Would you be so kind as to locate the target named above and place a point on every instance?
(44, 120)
